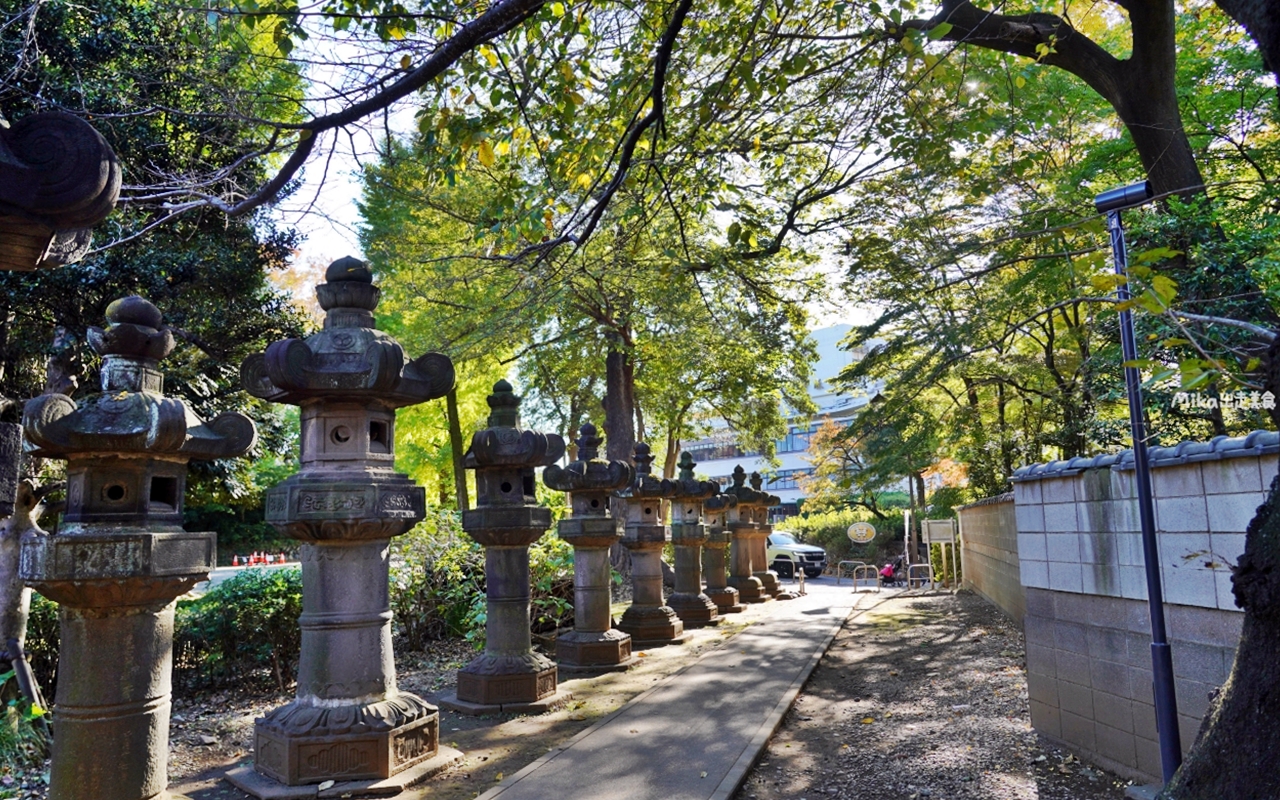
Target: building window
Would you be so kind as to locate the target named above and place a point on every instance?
(797, 438)
(786, 479)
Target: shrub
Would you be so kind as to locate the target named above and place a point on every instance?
(23, 739)
(438, 587)
(437, 582)
(551, 573)
(954, 571)
(243, 631)
(829, 530)
(41, 647)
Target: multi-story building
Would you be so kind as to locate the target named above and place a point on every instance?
(719, 452)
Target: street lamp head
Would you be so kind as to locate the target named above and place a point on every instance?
(1135, 194)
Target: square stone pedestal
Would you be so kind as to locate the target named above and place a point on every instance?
(254, 783)
(726, 600)
(370, 755)
(582, 653)
(556, 700)
(695, 611)
(652, 627)
(496, 690)
(751, 591)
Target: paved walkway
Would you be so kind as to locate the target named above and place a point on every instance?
(695, 735)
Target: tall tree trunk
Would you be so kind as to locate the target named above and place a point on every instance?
(15, 597)
(455, 444)
(1140, 88)
(1234, 754)
(619, 429)
(1261, 18)
(673, 450)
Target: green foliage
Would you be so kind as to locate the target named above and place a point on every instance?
(438, 586)
(437, 582)
(953, 571)
(551, 574)
(829, 530)
(41, 645)
(155, 88)
(993, 274)
(943, 501)
(243, 632)
(22, 741)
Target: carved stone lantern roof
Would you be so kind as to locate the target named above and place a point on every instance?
(687, 501)
(746, 495)
(349, 359)
(686, 487)
(504, 458)
(58, 178)
(132, 415)
(589, 481)
(504, 444)
(590, 475)
(646, 486)
(764, 499)
(644, 498)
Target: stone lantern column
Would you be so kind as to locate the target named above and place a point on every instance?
(121, 557)
(715, 554)
(740, 521)
(349, 722)
(648, 619)
(594, 645)
(761, 541)
(759, 506)
(509, 676)
(688, 534)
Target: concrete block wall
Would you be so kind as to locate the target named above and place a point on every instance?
(1087, 622)
(1089, 674)
(989, 545)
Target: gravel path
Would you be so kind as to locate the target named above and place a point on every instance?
(921, 697)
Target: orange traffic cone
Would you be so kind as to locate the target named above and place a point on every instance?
(235, 561)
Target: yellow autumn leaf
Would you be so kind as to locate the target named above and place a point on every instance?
(486, 153)
(868, 720)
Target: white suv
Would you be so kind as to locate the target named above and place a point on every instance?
(785, 553)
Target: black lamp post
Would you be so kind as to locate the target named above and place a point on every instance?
(1112, 203)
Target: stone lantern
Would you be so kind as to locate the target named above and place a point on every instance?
(760, 539)
(121, 557)
(648, 619)
(688, 534)
(348, 722)
(739, 518)
(58, 178)
(594, 645)
(715, 554)
(509, 676)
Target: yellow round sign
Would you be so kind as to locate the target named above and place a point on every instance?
(861, 532)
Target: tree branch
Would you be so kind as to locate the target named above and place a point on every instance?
(501, 17)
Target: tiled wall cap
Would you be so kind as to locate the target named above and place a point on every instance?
(1256, 444)
(1007, 497)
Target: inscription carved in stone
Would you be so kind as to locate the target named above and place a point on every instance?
(338, 759)
(315, 502)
